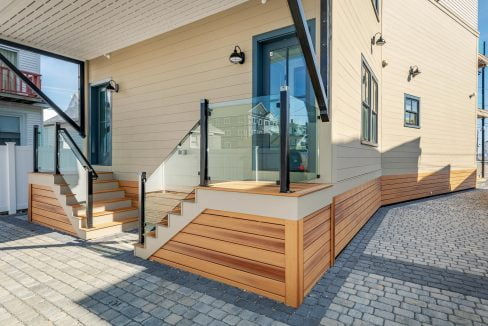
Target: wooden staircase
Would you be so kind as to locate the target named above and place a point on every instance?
(168, 213)
(113, 211)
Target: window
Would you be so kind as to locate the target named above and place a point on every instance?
(9, 130)
(369, 106)
(10, 55)
(412, 111)
(376, 6)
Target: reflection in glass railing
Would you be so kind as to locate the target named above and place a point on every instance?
(174, 180)
(45, 145)
(73, 172)
(244, 140)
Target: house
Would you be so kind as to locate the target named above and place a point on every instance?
(20, 107)
(367, 102)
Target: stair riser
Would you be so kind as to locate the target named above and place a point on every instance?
(105, 176)
(105, 186)
(114, 217)
(109, 195)
(106, 207)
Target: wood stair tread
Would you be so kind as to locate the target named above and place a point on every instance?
(111, 211)
(99, 191)
(101, 202)
(110, 224)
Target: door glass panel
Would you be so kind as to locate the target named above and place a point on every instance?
(101, 111)
(285, 65)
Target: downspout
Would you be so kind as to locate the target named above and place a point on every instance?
(483, 146)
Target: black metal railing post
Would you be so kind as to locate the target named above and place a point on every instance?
(284, 140)
(204, 113)
(57, 127)
(89, 200)
(142, 204)
(35, 154)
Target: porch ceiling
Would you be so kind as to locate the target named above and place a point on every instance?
(85, 29)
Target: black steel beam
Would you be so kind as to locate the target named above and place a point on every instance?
(57, 128)
(284, 140)
(325, 42)
(41, 94)
(35, 155)
(39, 51)
(204, 142)
(303, 34)
(89, 200)
(81, 70)
(142, 207)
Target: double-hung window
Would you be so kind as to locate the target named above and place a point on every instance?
(369, 106)
(9, 129)
(412, 111)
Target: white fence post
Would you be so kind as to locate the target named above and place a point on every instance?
(11, 182)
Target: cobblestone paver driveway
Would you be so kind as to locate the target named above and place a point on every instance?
(424, 262)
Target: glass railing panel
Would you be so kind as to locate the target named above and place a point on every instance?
(73, 172)
(45, 145)
(173, 180)
(244, 140)
(304, 140)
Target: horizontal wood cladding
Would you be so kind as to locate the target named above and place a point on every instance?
(131, 189)
(46, 210)
(352, 209)
(241, 250)
(399, 188)
(316, 247)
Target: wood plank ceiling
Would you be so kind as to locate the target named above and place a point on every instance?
(86, 29)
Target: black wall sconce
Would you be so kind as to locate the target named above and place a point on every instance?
(112, 86)
(237, 56)
(414, 71)
(378, 41)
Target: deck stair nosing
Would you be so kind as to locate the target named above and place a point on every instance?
(109, 212)
(106, 225)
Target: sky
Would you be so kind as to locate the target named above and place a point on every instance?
(59, 82)
(483, 28)
(483, 22)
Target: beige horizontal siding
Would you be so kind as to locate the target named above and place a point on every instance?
(445, 53)
(467, 10)
(163, 79)
(354, 23)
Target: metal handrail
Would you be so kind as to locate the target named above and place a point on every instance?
(78, 153)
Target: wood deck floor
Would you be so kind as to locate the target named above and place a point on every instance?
(267, 188)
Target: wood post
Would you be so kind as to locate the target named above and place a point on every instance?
(293, 263)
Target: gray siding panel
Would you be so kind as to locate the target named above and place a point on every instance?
(29, 61)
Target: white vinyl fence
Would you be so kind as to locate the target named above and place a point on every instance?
(15, 164)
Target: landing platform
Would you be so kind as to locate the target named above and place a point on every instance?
(267, 188)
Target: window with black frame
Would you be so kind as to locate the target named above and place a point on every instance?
(376, 6)
(369, 106)
(412, 111)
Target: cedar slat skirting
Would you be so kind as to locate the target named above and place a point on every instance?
(284, 259)
(131, 189)
(44, 209)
